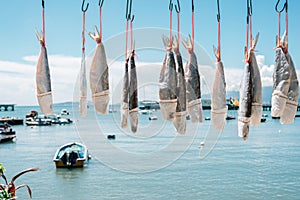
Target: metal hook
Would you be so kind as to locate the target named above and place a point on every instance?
(170, 5)
(101, 3)
(193, 7)
(218, 15)
(284, 6)
(177, 8)
(128, 11)
(249, 7)
(87, 6)
(43, 3)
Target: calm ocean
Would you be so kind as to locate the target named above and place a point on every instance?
(266, 166)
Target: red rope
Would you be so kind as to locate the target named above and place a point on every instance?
(178, 29)
(278, 37)
(43, 27)
(193, 28)
(287, 27)
(251, 36)
(131, 37)
(101, 23)
(126, 46)
(171, 29)
(219, 41)
(83, 29)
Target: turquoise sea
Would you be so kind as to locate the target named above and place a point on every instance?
(266, 166)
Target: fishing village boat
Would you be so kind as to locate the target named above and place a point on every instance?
(12, 120)
(6, 133)
(71, 155)
(153, 117)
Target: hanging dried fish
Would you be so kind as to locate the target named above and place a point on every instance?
(193, 87)
(43, 80)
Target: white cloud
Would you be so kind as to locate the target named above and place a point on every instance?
(17, 83)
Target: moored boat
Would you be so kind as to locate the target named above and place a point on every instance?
(71, 155)
(6, 133)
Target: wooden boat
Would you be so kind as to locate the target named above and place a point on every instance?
(6, 133)
(230, 117)
(71, 155)
(12, 120)
(37, 122)
(153, 117)
(263, 120)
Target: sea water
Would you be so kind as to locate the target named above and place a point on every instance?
(266, 166)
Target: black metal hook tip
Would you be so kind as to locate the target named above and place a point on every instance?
(218, 15)
(43, 3)
(170, 5)
(177, 7)
(82, 6)
(285, 6)
(193, 6)
(101, 3)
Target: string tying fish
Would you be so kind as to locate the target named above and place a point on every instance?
(285, 7)
(100, 12)
(83, 23)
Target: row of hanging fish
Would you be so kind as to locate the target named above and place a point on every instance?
(179, 89)
(285, 85)
(129, 104)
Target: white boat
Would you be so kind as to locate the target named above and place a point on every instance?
(153, 117)
(64, 112)
(71, 155)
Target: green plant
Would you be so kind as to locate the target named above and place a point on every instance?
(8, 190)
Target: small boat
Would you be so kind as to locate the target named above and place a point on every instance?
(12, 120)
(265, 115)
(153, 117)
(111, 137)
(207, 118)
(37, 122)
(64, 112)
(230, 117)
(6, 133)
(263, 120)
(71, 155)
(7, 138)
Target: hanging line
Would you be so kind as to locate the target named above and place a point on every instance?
(170, 9)
(285, 7)
(43, 23)
(100, 11)
(131, 32)
(83, 24)
(219, 32)
(177, 8)
(127, 16)
(193, 23)
(250, 22)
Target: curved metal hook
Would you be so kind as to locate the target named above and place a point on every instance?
(193, 7)
(249, 7)
(128, 11)
(285, 6)
(132, 18)
(101, 3)
(177, 8)
(218, 15)
(170, 5)
(43, 3)
(82, 7)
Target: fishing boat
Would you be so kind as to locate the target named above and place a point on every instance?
(71, 155)
(12, 120)
(37, 122)
(64, 112)
(153, 117)
(6, 133)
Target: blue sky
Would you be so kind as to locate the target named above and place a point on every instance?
(63, 25)
(19, 47)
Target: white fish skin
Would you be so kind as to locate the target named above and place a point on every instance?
(246, 94)
(180, 115)
(43, 80)
(281, 83)
(219, 107)
(83, 88)
(168, 83)
(193, 84)
(291, 106)
(124, 105)
(256, 112)
(133, 95)
(99, 81)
